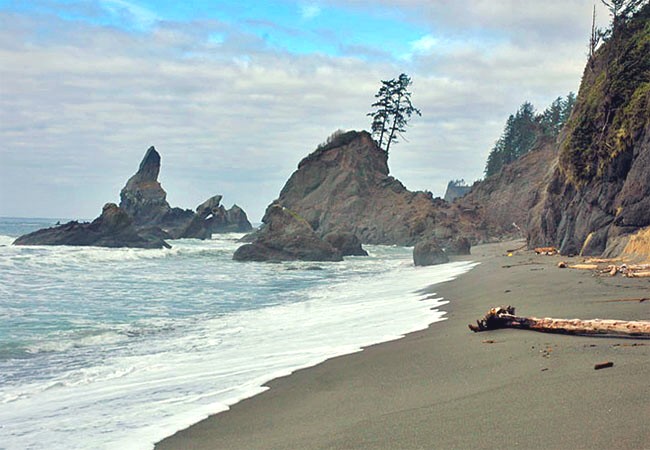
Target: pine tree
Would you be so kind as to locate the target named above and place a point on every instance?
(393, 110)
(523, 130)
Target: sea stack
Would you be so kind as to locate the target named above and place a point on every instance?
(345, 186)
(144, 199)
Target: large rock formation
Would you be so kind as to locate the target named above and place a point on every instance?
(285, 236)
(113, 228)
(345, 186)
(144, 199)
(144, 218)
(598, 192)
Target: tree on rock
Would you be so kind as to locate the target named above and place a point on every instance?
(393, 110)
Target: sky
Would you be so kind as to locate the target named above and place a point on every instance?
(233, 94)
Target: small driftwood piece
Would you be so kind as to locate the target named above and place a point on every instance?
(550, 251)
(603, 365)
(635, 299)
(579, 266)
(513, 250)
(504, 317)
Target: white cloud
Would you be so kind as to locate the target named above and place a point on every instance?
(79, 105)
(425, 44)
(310, 11)
(138, 15)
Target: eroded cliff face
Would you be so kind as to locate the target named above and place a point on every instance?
(503, 201)
(599, 191)
(345, 186)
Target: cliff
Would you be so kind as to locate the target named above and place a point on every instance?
(345, 186)
(503, 201)
(597, 194)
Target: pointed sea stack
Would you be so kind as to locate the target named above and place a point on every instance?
(144, 199)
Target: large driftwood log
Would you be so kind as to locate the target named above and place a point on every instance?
(504, 317)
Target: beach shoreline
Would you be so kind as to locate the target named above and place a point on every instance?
(446, 387)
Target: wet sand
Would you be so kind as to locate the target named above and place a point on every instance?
(446, 387)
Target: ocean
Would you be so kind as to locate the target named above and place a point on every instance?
(119, 348)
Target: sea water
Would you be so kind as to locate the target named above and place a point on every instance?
(118, 348)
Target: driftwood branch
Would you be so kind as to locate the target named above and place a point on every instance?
(504, 317)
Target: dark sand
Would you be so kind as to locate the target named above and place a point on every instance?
(446, 387)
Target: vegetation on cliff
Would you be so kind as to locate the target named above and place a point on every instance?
(526, 130)
(613, 103)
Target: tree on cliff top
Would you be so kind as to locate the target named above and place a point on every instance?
(525, 128)
(621, 10)
(393, 110)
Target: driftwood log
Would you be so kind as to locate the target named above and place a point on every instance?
(504, 317)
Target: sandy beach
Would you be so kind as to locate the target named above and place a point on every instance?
(446, 387)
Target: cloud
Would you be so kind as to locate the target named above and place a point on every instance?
(139, 16)
(424, 44)
(80, 103)
(310, 11)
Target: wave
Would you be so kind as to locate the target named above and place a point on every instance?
(66, 255)
(6, 240)
(166, 341)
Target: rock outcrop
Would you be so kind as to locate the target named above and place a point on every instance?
(285, 236)
(345, 186)
(458, 246)
(456, 189)
(347, 243)
(428, 253)
(144, 218)
(218, 219)
(113, 228)
(144, 199)
(598, 192)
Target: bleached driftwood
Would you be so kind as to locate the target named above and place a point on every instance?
(639, 274)
(627, 270)
(504, 317)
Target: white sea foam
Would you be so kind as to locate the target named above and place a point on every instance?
(206, 333)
